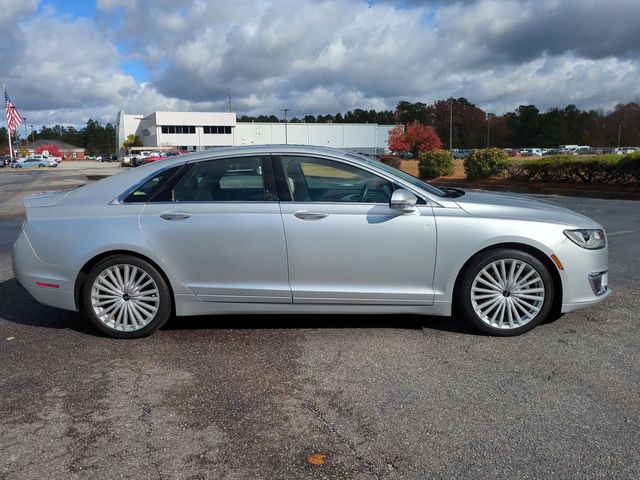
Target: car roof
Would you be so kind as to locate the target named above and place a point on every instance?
(115, 185)
(264, 150)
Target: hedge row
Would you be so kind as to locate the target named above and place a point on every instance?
(391, 160)
(603, 169)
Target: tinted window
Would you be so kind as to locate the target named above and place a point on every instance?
(320, 180)
(224, 180)
(148, 189)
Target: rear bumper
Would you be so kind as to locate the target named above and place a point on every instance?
(47, 283)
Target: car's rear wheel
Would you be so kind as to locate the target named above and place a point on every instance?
(506, 292)
(126, 297)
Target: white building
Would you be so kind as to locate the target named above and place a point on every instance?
(203, 130)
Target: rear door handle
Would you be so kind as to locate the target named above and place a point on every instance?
(306, 215)
(175, 215)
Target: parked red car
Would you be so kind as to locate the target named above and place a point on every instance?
(159, 156)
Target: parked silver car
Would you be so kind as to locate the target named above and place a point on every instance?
(286, 229)
(30, 162)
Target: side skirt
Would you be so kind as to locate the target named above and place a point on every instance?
(187, 305)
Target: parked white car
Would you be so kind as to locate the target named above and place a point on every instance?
(46, 158)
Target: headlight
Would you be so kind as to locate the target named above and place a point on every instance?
(586, 238)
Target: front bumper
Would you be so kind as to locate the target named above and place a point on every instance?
(585, 276)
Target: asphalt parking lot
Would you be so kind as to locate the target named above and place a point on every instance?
(397, 397)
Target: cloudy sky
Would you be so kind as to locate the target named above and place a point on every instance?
(65, 61)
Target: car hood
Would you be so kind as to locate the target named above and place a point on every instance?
(499, 205)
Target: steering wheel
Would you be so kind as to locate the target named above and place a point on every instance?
(363, 192)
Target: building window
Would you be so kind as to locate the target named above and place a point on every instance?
(216, 130)
(182, 129)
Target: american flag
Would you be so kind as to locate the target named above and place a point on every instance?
(13, 117)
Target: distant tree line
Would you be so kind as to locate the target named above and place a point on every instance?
(473, 127)
(94, 137)
(385, 117)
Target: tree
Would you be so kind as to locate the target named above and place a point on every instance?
(414, 138)
(131, 141)
(52, 149)
(408, 112)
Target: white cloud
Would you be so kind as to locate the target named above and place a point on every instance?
(318, 56)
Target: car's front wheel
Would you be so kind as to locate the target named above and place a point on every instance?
(126, 297)
(506, 292)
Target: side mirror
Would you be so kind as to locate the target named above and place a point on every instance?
(404, 200)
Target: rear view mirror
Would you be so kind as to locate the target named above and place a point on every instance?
(403, 200)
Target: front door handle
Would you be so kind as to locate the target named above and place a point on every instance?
(175, 215)
(306, 215)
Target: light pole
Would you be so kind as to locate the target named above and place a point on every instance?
(286, 139)
(450, 123)
(619, 133)
(26, 135)
(489, 115)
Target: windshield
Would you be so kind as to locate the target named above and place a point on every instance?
(416, 182)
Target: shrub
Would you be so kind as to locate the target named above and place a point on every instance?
(435, 163)
(391, 160)
(629, 168)
(485, 163)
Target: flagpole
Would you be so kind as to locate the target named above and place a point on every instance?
(8, 133)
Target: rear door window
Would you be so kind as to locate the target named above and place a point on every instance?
(238, 179)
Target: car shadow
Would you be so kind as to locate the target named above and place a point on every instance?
(17, 306)
(318, 321)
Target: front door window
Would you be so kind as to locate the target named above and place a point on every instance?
(319, 180)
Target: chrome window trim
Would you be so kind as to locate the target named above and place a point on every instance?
(119, 200)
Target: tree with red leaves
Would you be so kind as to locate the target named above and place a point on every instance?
(414, 138)
(52, 149)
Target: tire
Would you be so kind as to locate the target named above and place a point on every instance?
(121, 312)
(491, 300)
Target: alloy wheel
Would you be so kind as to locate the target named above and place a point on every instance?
(507, 293)
(124, 297)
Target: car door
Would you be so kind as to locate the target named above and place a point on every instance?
(219, 228)
(345, 244)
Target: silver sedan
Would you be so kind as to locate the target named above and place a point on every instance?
(284, 229)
